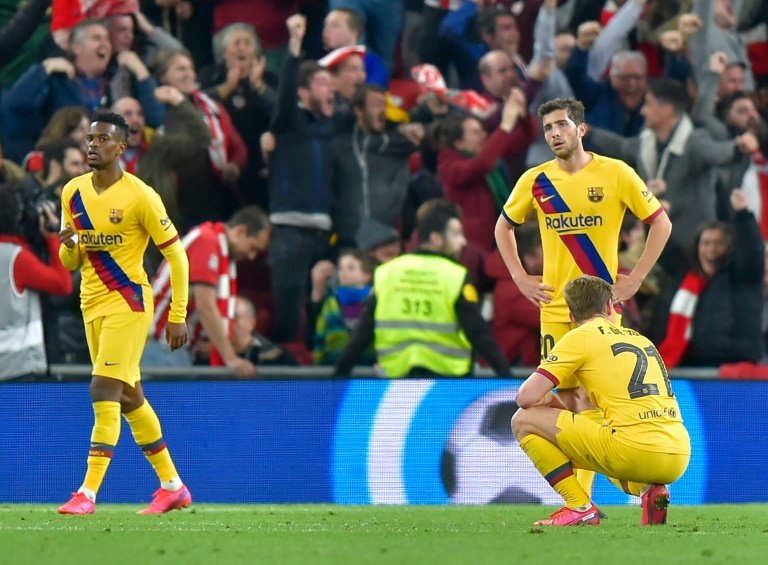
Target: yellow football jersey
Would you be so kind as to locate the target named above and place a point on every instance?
(114, 228)
(625, 377)
(580, 220)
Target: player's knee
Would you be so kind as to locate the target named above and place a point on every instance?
(104, 388)
(520, 427)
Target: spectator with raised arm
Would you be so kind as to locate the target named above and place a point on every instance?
(302, 194)
(238, 80)
(208, 184)
(712, 314)
(472, 164)
(83, 80)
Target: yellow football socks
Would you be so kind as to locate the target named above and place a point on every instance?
(104, 437)
(552, 463)
(146, 430)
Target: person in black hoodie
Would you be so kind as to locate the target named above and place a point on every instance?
(713, 312)
(301, 192)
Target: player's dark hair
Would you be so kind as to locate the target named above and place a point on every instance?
(361, 93)
(252, 217)
(355, 19)
(574, 109)
(10, 210)
(115, 119)
(670, 91)
(307, 71)
(587, 296)
(434, 215)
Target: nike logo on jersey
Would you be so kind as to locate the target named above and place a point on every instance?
(77, 215)
(544, 199)
(110, 364)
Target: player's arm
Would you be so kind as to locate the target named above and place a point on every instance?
(530, 286)
(176, 328)
(658, 234)
(537, 391)
(69, 241)
(214, 324)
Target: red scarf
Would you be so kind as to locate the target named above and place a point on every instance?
(217, 150)
(761, 166)
(680, 322)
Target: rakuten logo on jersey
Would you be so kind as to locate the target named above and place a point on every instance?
(563, 223)
(96, 239)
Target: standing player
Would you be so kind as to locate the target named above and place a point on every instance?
(108, 216)
(643, 447)
(580, 199)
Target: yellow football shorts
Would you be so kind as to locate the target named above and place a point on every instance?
(116, 344)
(596, 447)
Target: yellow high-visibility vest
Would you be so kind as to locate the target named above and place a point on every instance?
(415, 318)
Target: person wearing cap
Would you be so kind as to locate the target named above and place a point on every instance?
(424, 315)
(343, 27)
(348, 73)
(381, 242)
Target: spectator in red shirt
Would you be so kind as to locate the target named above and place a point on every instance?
(213, 249)
(471, 164)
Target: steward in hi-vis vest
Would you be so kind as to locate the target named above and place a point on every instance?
(423, 315)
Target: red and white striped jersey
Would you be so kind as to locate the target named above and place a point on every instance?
(209, 263)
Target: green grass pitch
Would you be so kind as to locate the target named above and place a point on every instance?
(311, 534)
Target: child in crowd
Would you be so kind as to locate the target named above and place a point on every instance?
(342, 305)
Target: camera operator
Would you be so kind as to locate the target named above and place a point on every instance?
(62, 160)
(22, 349)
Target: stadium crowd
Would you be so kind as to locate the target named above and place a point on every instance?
(341, 119)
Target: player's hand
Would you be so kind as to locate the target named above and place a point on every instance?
(534, 290)
(176, 334)
(242, 367)
(625, 288)
(68, 236)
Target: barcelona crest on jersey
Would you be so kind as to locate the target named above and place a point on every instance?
(115, 215)
(595, 193)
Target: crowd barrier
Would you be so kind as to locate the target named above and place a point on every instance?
(294, 436)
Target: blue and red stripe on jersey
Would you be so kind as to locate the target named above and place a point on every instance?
(583, 251)
(114, 278)
(79, 213)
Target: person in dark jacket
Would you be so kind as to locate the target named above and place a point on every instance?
(301, 192)
(714, 315)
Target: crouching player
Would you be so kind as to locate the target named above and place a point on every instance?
(641, 447)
